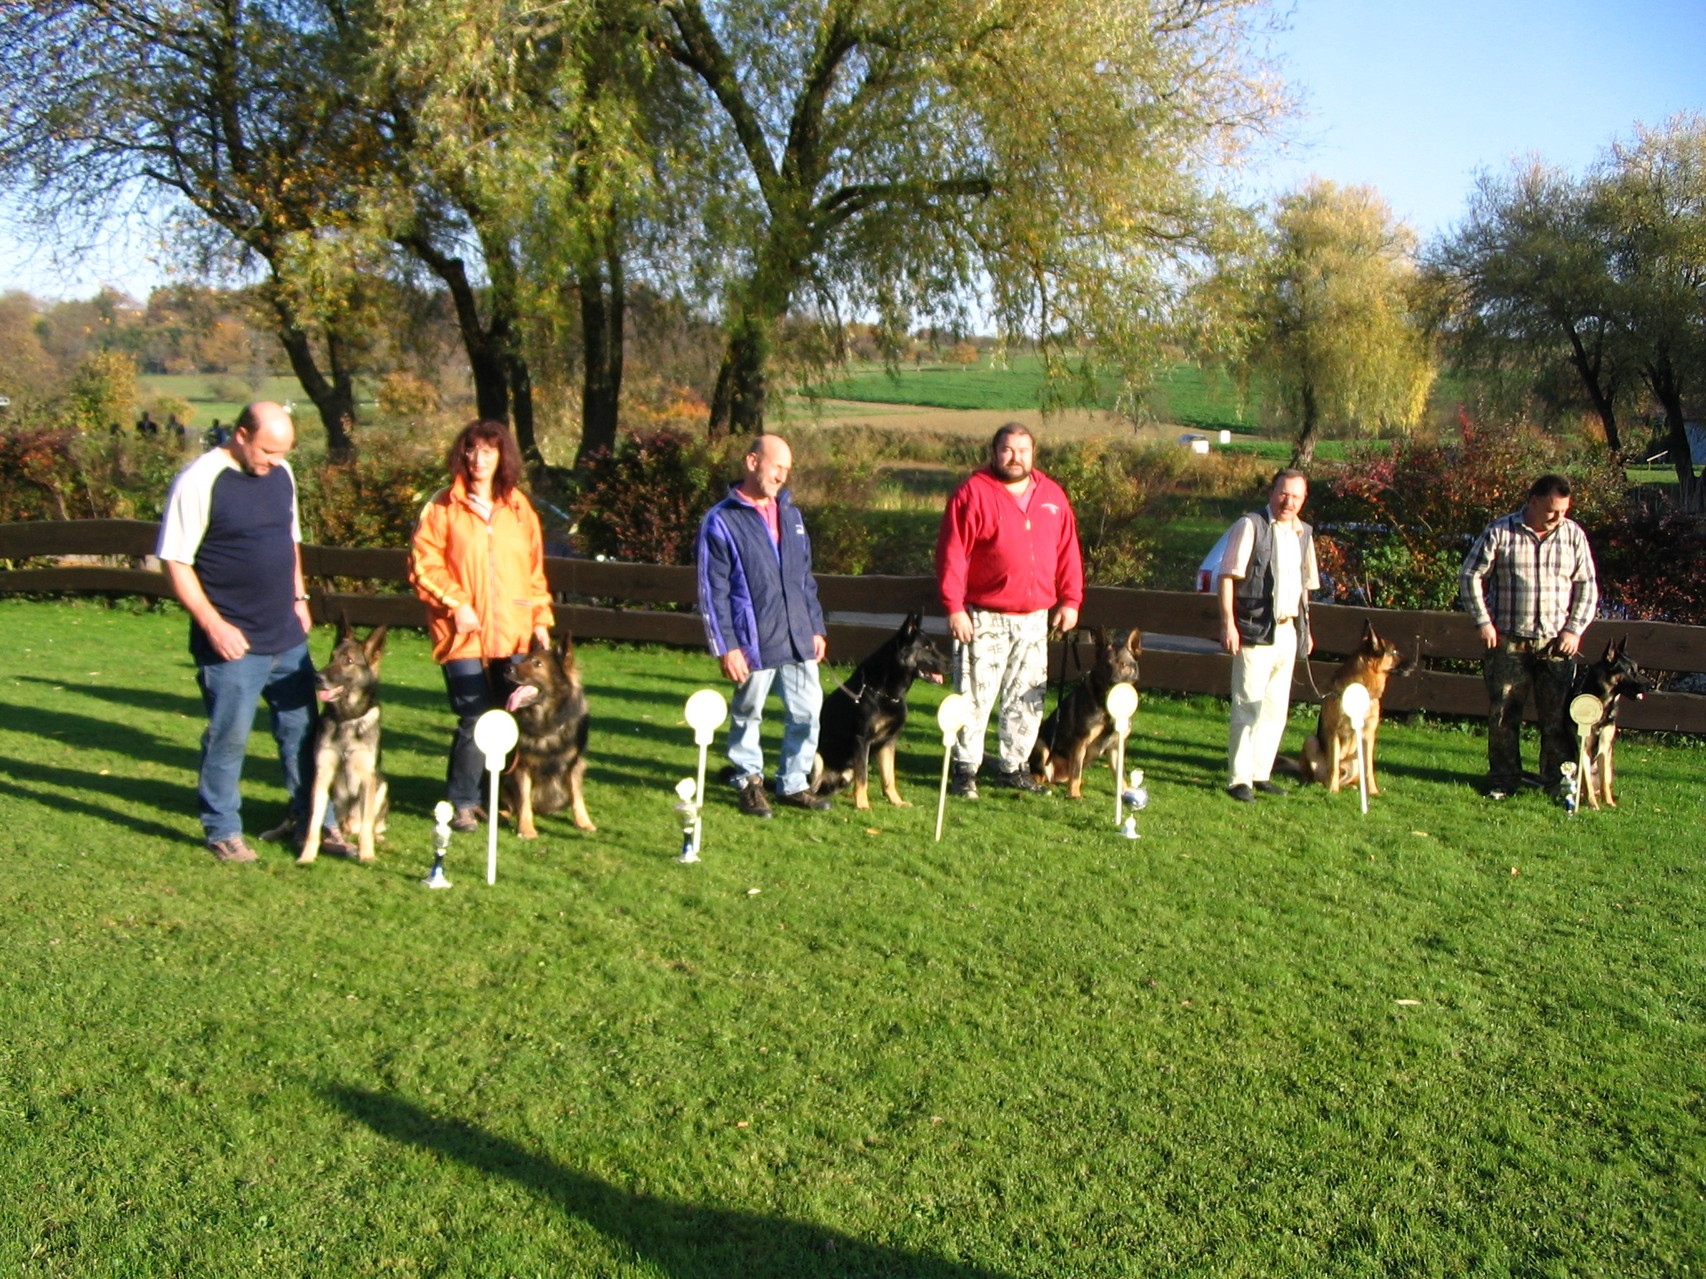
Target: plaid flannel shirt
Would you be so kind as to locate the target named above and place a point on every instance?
(1527, 586)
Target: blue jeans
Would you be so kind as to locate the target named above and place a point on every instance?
(802, 698)
(229, 691)
(474, 686)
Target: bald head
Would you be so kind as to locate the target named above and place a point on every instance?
(263, 437)
(767, 464)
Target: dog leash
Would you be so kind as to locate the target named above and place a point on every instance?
(1060, 688)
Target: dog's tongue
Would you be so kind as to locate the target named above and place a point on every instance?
(328, 694)
(523, 694)
(934, 678)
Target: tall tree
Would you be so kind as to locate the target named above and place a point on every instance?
(895, 157)
(1651, 197)
(233, 109)
(1527, 287)
(1322, 321)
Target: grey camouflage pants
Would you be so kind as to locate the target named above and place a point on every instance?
(1005, 666)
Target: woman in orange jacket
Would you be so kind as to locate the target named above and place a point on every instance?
(478, 560)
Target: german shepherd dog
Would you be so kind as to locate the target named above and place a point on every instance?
(1330, 753)
(1612, 678)
(864, 715)
(346, 747)
(550, 757)
(1080, 731)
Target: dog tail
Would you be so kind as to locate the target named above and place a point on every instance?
(1291, 767)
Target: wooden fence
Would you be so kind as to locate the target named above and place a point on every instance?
(597, 599)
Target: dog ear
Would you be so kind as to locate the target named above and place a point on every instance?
(1134, 642)
(566, 649)
(374, 644)
(1370, 640)
(343, 625)
(910, 626)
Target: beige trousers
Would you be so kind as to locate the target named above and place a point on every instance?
(1261, 696)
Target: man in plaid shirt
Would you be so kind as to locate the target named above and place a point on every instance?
(1528, 583)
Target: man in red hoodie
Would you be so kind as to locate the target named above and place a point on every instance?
(1006, 555)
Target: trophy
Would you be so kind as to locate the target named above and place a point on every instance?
(1133, 799)
(441, 814)
(687, 805)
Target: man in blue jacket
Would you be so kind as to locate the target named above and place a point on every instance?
(763, 622)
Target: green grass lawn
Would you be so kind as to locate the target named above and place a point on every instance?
(1448, 1038)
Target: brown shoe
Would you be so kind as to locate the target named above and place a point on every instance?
(752, 800)
(467, 819)
(807, 799)
(231, 849)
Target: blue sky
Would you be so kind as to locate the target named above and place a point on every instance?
(1412, 97)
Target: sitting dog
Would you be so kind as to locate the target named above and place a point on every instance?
(1080, 731)
(1330, 753)
(865, 713)
(1612, 678)
(550, 757)
(346, 747)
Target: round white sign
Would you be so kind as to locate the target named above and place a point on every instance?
(1585, 708)
(952, 714)
(705, 711)
(1122, 701)
(495, 734)
(1354, 702)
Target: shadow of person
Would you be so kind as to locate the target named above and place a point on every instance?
(681, 1239)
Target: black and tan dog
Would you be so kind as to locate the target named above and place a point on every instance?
(550, 758)
(1330, 753)
(1080, 731)
(1612, 678)
(864, 715)
(346, 748)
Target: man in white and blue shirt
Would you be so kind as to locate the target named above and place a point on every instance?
(230, 542)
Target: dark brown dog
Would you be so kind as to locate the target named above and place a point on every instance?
(1080, 731)
(1611, 679)
(1330, 753)
(863, 716)
(346, 746)
(550, 758)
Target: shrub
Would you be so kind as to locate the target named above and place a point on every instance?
(643, 501)
(1394, 521)
(1650, 566)
(372, 500)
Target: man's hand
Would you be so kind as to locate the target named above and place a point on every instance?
(1490, 635)
(1568, 643)
(1229, 638)
(305, 617)
(820, 646)
(542, 636)
(960, 627)
(734, 665)
(229, 642)
(466, 619)
(1064, 619)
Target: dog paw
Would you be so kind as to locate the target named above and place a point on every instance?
(898, 802)
(526, 832)
(586, 825)
(306, 859)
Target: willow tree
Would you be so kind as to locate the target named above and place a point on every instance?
(518, 129)
(1527, 287)
(897, 157)
(1322, 323)
(230, 118)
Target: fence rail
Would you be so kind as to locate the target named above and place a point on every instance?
(594, 594)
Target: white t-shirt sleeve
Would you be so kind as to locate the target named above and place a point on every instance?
(1241, 540)
(189, 505)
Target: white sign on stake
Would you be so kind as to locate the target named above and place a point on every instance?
(705, 712)
(1586, 710)
(495, 734)
(1121, 704)
(1353, 701)
(951, 717)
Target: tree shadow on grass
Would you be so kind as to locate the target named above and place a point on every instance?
(681, 1239)
(62, 804)
(146, 699)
